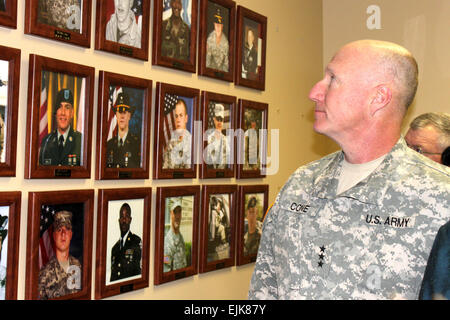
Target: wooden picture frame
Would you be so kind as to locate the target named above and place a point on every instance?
(9, 106)
(48, 219)
(180, 53)
(122, 267)
(249, 73)
(134, 43)
(10, 203)
(8, 13)
(253, 117)
(174, 153)
(181, 205)
(217, 25)
(250, 214)
(218, 227)
(131, 97)
(72, 25)
(51, 81)
(219, 152)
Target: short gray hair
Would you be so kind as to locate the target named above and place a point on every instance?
(439, 120)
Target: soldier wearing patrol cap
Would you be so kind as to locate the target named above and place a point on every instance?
(127, 251)
(217, 45)
(62, 273)
(62, 146)
(124, 149)
(174, 246)
(218, 148)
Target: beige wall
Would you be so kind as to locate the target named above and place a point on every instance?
(294, 63)
(423, 27)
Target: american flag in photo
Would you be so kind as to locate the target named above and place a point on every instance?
(112, 121)
(137, 7)
(46, 243)
(43, 120)
(226, 120)
(170, 100)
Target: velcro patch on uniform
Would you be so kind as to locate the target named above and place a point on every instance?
(390, 221)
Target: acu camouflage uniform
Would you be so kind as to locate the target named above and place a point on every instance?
(64, 14)
(54, 282)
(217, 54)
(178, 152)
(217, 150)
(174, 251)
(370, 242)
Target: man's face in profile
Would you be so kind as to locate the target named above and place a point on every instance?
(181, 118)
(122, 9)
(64, 116)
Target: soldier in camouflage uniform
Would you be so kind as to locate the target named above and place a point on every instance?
(62, 273)
(175, 35)
(217, 46)
(218, 148)
(64, 14)
(177, 153)
(370, 237)
(174, 246)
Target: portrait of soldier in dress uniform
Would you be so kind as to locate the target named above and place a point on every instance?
(250, 50)
(125, 23)
(63, 14)
(253, 122)
(62, 146)
(217, 45)
(127, 251)
(178, 233)
(253, 222)
(61, 274)
(175, 33)
(123, 150)
(219, 231)
(218, 152)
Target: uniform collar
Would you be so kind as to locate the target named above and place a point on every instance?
(371, 189)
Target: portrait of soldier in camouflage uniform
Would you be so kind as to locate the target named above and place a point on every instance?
(64, 14)
(218, 152)
(217, 45)
(176, 34)
(62, 273)
(175, 255)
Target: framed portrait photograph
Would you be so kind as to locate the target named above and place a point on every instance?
(123, 129)
(174, 144)
(252, 140)
(9, 106)
(175, 34)
(59, 245)
(9, 243)
(68, 21)
(219, 124)
(122, 27)
(8, 13)
(123, 235)
(217, 239)
(176, 240)
(250, 49)
(253, 204)
(60, 104)
(216, 34)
